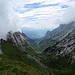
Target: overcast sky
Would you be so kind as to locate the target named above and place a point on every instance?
(15, 14)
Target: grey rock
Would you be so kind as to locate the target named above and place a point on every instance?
(18, 40)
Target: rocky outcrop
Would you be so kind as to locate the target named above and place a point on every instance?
(65, 47)
(56, 35)
(18, 40)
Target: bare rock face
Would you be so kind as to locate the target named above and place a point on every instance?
(65, 44)
(56, 35)
(65, 47)
(18, 40)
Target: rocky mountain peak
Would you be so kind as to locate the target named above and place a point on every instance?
(65, 44)
(18, 40)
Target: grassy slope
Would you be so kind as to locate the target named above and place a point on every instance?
(13, 62)
(59, 66)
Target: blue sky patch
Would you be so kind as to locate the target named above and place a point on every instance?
(38, 5)
(22, 11)
(72, 0)
(51, 5)
(34, 5)
(30, 7)
(64, 6)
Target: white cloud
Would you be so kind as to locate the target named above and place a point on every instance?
(42, 11)
(34, 1)
(69, 14)
(48, 17)
(44, 17)
(52, 16)
(8, 18)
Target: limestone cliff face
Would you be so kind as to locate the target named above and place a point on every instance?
(18, 40)
(65, 42)
(56, 35)
(65, 47)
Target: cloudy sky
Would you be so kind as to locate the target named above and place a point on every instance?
(44, 13)
(15, 14)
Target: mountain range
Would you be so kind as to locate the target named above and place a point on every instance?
(34, 33)
(52, 54)
(55, 35)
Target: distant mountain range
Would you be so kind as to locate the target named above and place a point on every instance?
(34, 33)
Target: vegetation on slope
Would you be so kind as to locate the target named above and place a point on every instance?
(14, 62)
(58, 65)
